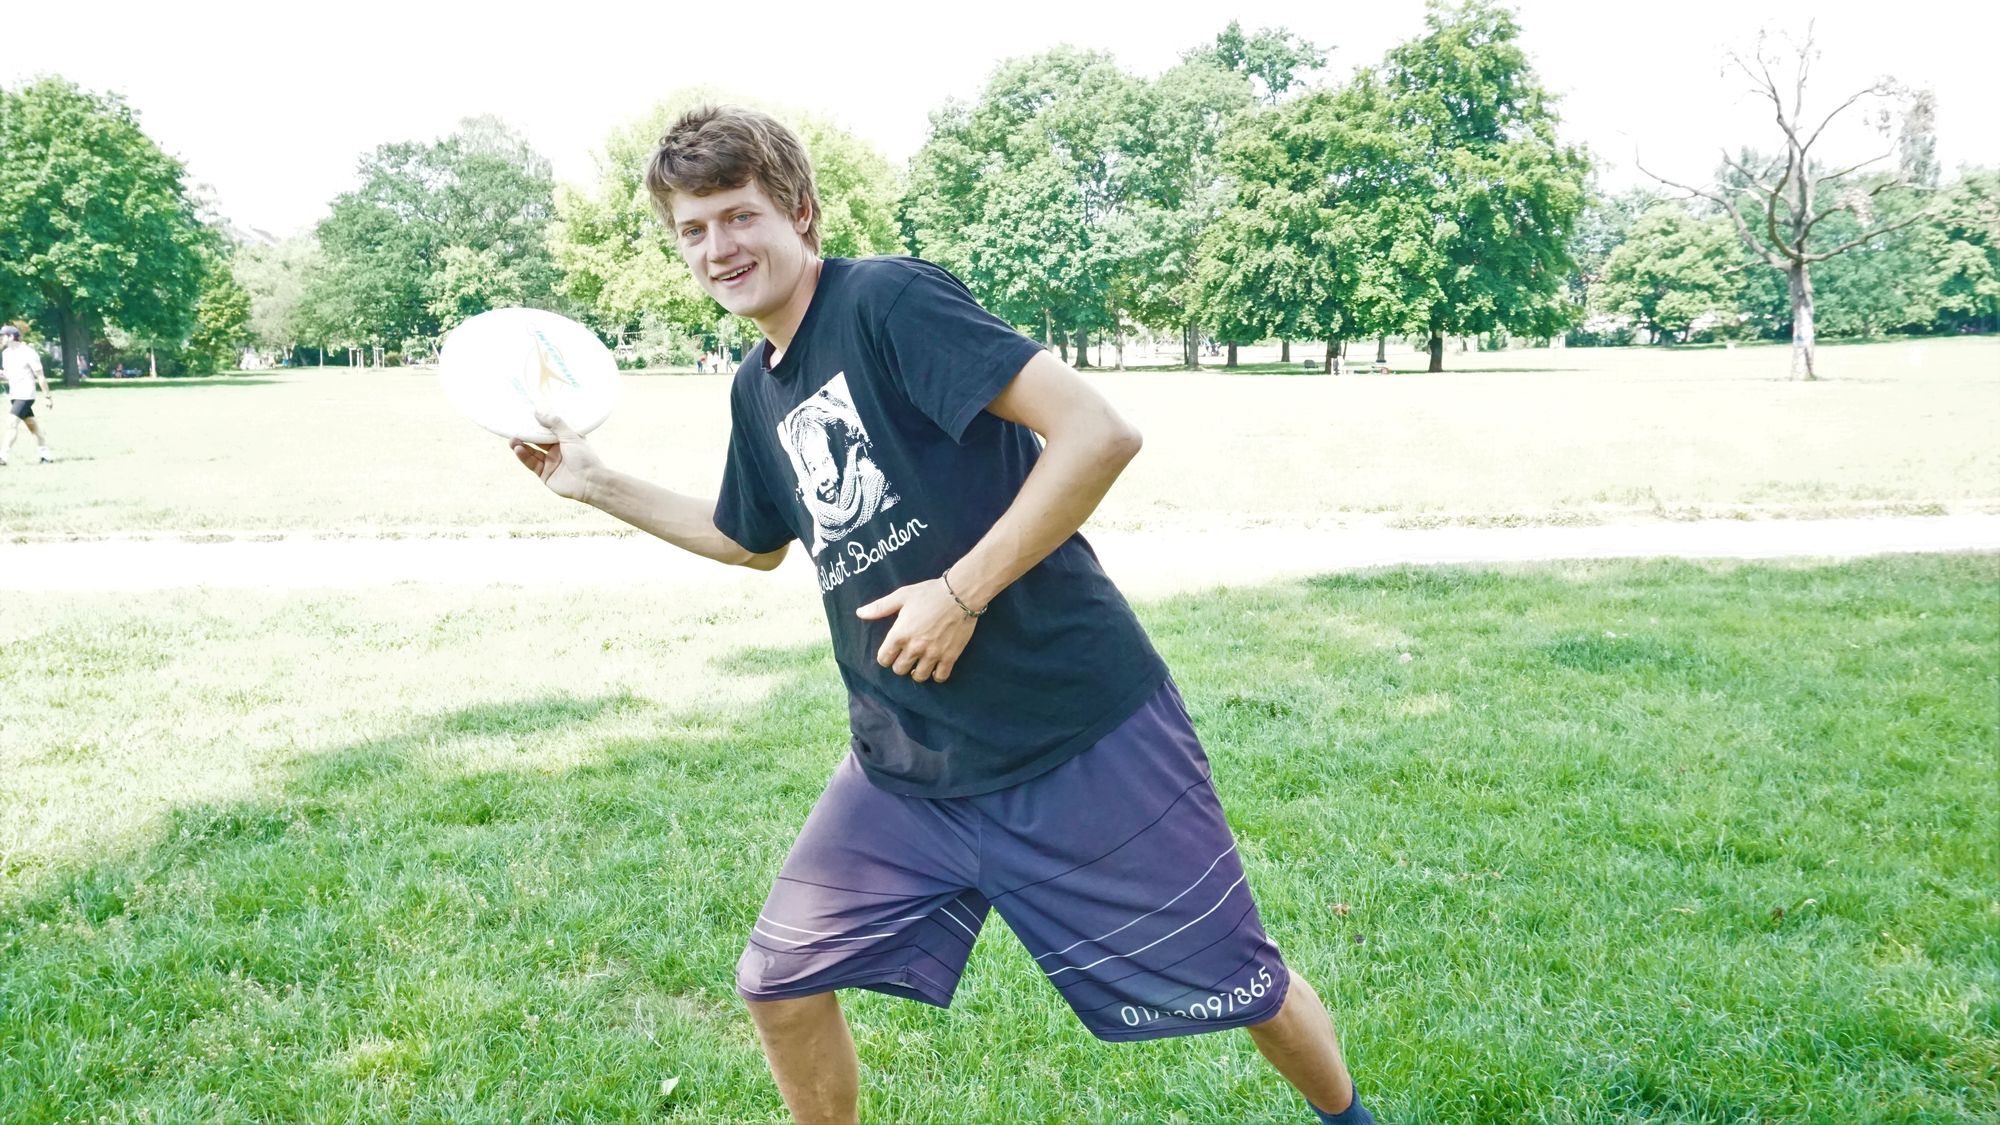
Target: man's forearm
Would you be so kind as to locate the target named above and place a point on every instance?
(684, 521)
(1067, 483)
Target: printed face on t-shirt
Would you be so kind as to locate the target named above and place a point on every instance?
(839, 482)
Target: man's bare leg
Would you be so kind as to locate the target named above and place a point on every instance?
(812, 1057)
(1299, 1041)
(13, 431)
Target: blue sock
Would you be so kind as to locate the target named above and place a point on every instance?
(1354, 1114)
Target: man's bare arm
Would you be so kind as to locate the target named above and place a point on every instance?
(1088, 445)
(572, 469)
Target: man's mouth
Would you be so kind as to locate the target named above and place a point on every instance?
(735, 275)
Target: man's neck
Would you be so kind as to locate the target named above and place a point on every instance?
(781, 326)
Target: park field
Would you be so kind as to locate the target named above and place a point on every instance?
(1620, 842)
(1514, 437)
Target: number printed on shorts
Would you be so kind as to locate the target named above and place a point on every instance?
(1212, 1007)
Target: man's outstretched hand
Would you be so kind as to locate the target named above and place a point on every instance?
(929, 634)
(567, 465)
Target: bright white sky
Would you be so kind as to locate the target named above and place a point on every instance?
(271, 104)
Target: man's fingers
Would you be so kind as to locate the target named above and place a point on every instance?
(890, 650)
(942, 672)
(924, 670)
(881, 607)
(905, 662)
(557, 427)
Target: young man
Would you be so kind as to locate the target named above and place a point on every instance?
(1017, 743)
(22, 369)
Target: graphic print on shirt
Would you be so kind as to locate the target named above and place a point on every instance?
(838, 480)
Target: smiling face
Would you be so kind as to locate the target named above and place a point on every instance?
(748, 254)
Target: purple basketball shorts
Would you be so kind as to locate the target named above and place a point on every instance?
(1116, 869)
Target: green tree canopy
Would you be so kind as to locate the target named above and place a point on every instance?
(1073, 197)
(1273, 57)
(1020, 193)
(399, 249)
(1671, 270)
(275, 275)
(1962, 245)
(96, 225)
(1503, 193)
(1322, 237)
(221, 325)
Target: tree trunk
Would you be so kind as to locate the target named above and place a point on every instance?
(1049, 327)
(1232, 356)
(73, 340)
(1339, 350)
(1802, 322)
(1121, 351)
(1190, 349)
(152, 364)
(1437, 352)
(1284, 351)
(1382, 350)
(1082, 348)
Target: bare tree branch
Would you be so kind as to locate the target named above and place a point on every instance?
(1805, 64)
(1729, 208)
(1858, 95)
(1747, 174)
(1855, 167)
(1771, 208)
(1892, 228)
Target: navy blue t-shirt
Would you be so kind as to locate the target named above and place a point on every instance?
(870, 443)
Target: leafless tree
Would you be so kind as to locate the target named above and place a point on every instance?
(1787, 189)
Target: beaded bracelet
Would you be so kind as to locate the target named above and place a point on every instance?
(966, 609)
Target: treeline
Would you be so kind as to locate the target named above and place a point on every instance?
(1667, 271)
(1239, 196)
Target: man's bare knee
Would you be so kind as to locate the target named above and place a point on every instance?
(776, 1017)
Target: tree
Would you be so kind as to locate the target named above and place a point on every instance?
(1178, 191)
(1916, 142)
(221, 320)
(1962, 244)
(275, 275)
(1503, 195)
(1787, 198)
(1273, 58)
(1021, 194)
(398, 247)
(96, 225)
(1605, 223)
(1303, 250)
(1672, 270)
(1074, 197)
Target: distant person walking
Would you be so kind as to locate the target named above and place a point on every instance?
(23, 370)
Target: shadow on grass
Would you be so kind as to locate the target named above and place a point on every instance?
(552, 942)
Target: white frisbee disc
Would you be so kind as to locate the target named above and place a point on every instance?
(502, 366)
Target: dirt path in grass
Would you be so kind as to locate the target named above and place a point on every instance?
(1145, 564)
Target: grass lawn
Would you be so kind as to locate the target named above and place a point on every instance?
(1635, 842)
(1523, 436)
